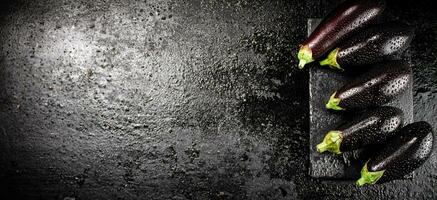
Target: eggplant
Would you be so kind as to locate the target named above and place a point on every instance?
(404, 153)
(381, 84)
(373, 127)
(378, 43)
(347, 19)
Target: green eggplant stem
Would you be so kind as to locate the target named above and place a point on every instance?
(331, 142)
(333, 103)
(369, 177)
(305, 56)
(331, 60)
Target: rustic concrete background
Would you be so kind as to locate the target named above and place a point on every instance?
(157, 99)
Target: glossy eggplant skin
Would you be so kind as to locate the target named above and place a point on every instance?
(381, 84)
(367, 128)
(378, 43)
(372, 127)
(346, 20)
(404, 153)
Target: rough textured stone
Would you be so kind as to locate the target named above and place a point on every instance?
(158, 99)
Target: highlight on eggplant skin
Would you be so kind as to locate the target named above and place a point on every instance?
(378, 43)
(380, 85)
(403, 154)
(347, 19)
(371, 127)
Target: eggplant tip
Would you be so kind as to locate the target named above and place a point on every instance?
(302, 64)
(331, 143)
(333, 103)
(369, 177)
(331, 60)
(361, 181)
(305, 56)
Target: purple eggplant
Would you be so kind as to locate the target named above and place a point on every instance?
(368, 128)
(383, 83)
(346, 20)
(378, 43)
(401, 155)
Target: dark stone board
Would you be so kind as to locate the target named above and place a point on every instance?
(323, 81)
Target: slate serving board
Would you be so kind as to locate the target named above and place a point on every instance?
(323, 81)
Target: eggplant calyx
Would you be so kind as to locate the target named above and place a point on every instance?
(331, 60)
(331, 142)
(369, 177)
(305, 56)
(333, 103)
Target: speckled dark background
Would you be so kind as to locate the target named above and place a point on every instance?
(157, 99)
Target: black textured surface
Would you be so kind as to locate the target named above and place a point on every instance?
(181, 99)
